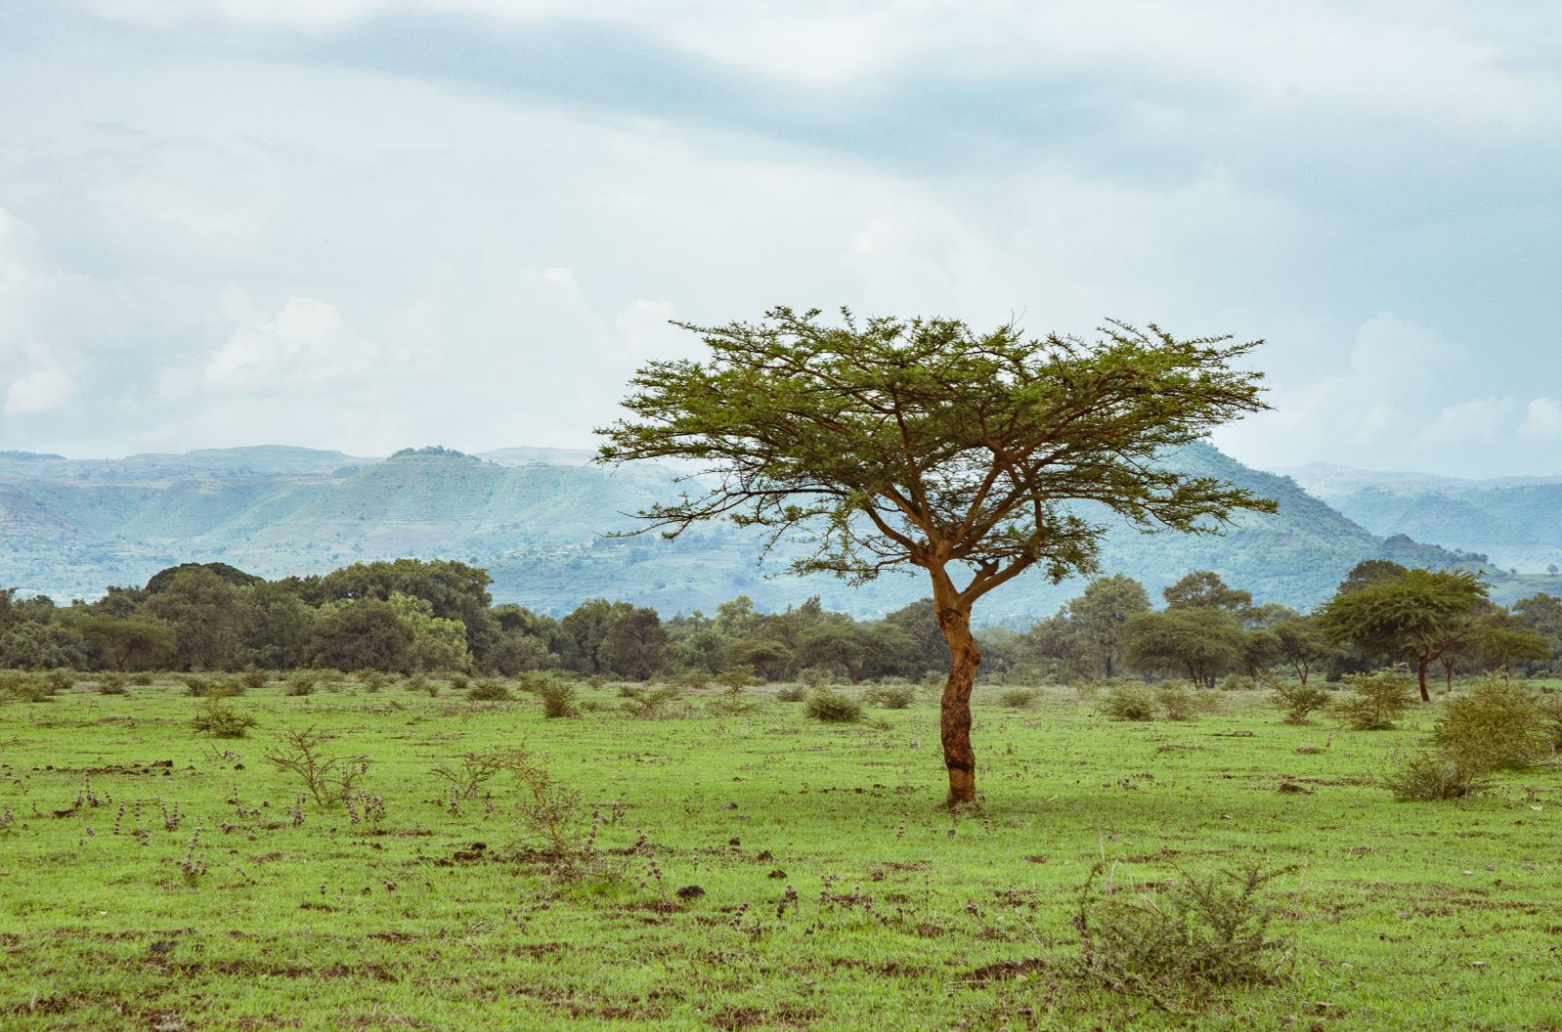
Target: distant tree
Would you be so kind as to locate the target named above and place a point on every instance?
(1266, 616)
(890, 444)
(34, 645)
(1201, 642)
(842, 644)
(1368, 572)
(582, 632)
(1101, 613)
(1418, 615)
(513, 653)
(274, 626)
(126, 641)
(455, 590)
(1057, 646)
(634, 643)
(1203, 589)
(366, 634)
(202, 607)
(1500, 639)
(1261, 650)
(765, 657)
(929, 647)
(163, 579)
(1302, 645)
(1542, 614)
(436, 643)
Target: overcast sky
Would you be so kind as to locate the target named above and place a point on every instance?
(366, 224)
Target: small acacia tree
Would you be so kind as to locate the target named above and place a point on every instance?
(890, 443)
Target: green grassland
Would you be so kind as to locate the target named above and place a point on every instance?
(1400, 916)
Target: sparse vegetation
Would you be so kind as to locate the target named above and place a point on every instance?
(833, 707)
(1125, 700)
(1299, 700)
(1375, 701)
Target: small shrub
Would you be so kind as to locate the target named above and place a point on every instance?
(458, 682)
(1237, 683)
(1017, 698)
(814, 677)
(890, 696)
(1549, 705)
(1299, 700)
(329, 779)
(1181, 938)
(141, 680)
(793, 693)
(1177, 702)
(1376, 701)
(23, 688)
(372, 680)
(221, 721)
(475, 771)
(301, 683)
(648, 704)
(255, 679)
(111, 684)
(1129, 701)
(489, 690)
(693, 680)
(1496, 724)
(832, 707)
(64, 680)
(558, 700)
(1430, 777)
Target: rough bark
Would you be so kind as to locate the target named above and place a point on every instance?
(1421, 665)
(954, 619)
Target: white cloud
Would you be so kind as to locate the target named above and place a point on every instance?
(1542, 420)
(39, 390)
(1479, 419)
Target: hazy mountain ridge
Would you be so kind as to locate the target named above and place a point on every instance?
(73, 526)
(1515, 521)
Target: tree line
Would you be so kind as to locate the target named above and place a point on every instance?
(410, 615)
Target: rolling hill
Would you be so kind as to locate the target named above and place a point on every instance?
(536, 518)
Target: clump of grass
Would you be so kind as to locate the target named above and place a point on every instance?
(1298, 701)
(213, 717)
(1376, 701)
(1433, 777)
(1183, 938)
(1017, 698)
(1496, 724)
(830, 706)
(1128, 701)
(890, 696)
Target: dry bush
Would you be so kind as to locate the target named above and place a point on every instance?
(1431, 777)
(489, 690)
(213, 717)
(1181, 938)
(793, 693)
(1179, 703)
(890, 696)
(1495, 724)
(328, 779)
(1018, 698)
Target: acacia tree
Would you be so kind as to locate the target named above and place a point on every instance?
(1422, 615)
(890, 443)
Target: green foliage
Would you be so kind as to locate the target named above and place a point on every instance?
(1376, 701)
(558, 699)
(649, 703)
(1200, 642)
(1182, 939)
(1204, 589)
(330, 780)
(489, 690)
(1177, 702)
(1495, 724)
(1418, 615)
(1017, 698)
(830, 706)
(1432, 777)
(1299, 700)
(216, 718)
(797, 692)
(366, 634)
(111, 684)
(255, 679)
(1126, 700)
(25, 688)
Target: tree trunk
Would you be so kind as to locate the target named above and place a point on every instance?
(954, 619)
(1421, 665)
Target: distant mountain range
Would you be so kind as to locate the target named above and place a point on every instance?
(536, 519)
(1515, 521)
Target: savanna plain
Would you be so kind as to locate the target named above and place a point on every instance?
(717, 861)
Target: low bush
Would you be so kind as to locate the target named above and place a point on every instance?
(890, 696)
(489, 690)
(1495, 724)
(255, 679)
(1017, 698)
(792, 693)
(831, 706)
(24, 688)
(649, 703)
(64, 680)
(111, 684)
(1178, 703)
(1126, 700)
(1181, 938)
(1237, 683)
(1298, 700)
(302, 682)
(458, 682)
(1549, 705)
(1430, 777)
(213, 717)
(558, 699)
(1376, 701)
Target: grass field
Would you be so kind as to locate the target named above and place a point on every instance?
(1401, 916)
